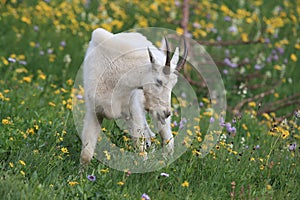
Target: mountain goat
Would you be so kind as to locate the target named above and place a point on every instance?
(125, 76)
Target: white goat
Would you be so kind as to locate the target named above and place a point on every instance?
(124, 76)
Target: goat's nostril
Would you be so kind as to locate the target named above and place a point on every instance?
(167, 113)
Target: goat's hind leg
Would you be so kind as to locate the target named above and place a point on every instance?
(89, 137)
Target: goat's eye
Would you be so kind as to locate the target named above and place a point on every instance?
(158, 82)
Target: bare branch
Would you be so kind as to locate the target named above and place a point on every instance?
(238, 107)
(229, 43)
(282, 103)
(185, 16)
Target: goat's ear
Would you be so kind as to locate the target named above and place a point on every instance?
(175, 59)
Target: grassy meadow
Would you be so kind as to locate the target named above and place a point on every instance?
(256, 46)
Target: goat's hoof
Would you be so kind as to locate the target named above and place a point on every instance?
(85, 157)
(169, 148)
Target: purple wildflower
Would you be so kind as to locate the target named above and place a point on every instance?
(12, 60)
(219, 38)
(227, 52)
(208, 16)
(22, 62)
(280, 50)
(267, 41)
(292, 147)
(227, 61)
(36, 28)
(177, 3)
(234, 120)
(182, 122)
(212, 120)
(222, 121)
(79, 96)
(63, 43)
(246, 60)
(145, 197)
(257, 67)
(91, 178)
(50, 51)
(196, 25)
(297, 114)
(233, 65)
(232, 29)
(42, 53)
(164, 174)
(228, 126)
(225, 71)
(175, 123)
(275, 57)
(232, 130)
(201, 104)
(227, 18)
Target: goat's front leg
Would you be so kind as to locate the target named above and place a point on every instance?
(89, 136)
(137, 113)
(167, 136)
(148, 133)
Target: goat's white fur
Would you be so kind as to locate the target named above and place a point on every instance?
(119, 82)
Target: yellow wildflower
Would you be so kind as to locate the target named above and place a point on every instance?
(189, 132)
(22, 162)
(64, 150)
(5, 61)
(69, 82)
(26, 20)
(27, 79)
(294, 57)
(104, 170)
(22, 172)
(245, 127)
(277, 67)
(30, 131)
(72, 183)
(285, 134)
(185, 184)
(106, 155)
(179, 30)
(244, 37)
(5, 121)
(120, 183)
(52, 104)
(42, 76)
(252, 104)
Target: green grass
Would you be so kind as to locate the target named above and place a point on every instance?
(39, 144)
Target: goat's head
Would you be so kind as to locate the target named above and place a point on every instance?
(162, 80)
